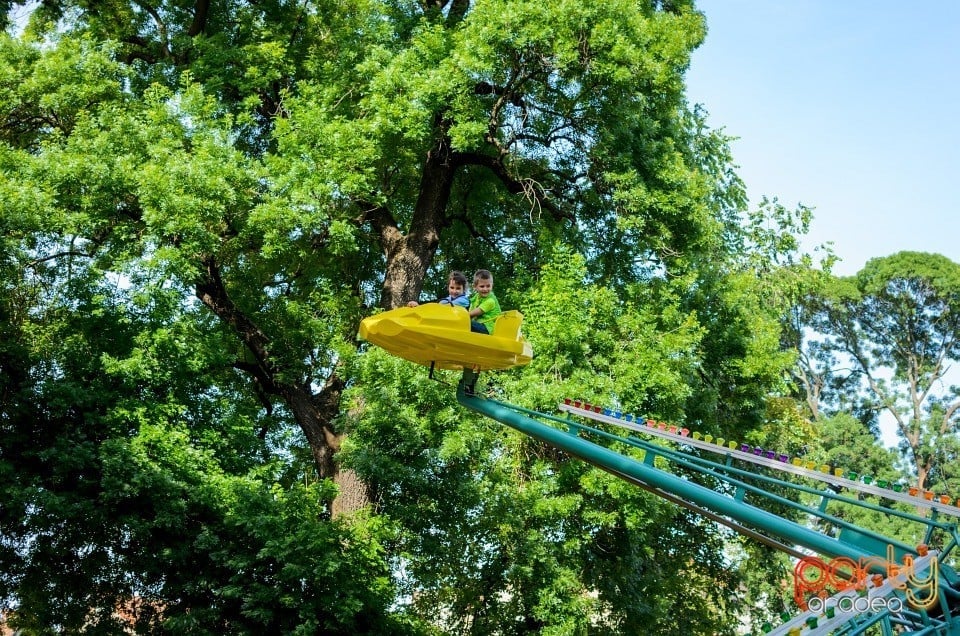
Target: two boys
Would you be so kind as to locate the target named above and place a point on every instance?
(482, 305)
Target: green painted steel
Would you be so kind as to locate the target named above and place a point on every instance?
(854, 543)
(704, 497)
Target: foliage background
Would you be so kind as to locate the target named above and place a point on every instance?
(200, 201)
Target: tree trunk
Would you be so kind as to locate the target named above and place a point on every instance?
(409, 255)
(922, 472)
(313, 412)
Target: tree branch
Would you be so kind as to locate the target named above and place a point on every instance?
(213, 293)
(532, 190)
(161, 27)
(200, 13)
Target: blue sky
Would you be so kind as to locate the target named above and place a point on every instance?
(847, 106)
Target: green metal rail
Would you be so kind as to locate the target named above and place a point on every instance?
(743, 499)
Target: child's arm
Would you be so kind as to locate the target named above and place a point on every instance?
(485, 305)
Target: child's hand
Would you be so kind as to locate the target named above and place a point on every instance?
(412, 303)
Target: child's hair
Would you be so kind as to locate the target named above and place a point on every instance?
(459, 278)
(482, 274)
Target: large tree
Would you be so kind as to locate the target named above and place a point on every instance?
(888, 339)
(284, 160)
(201, 200)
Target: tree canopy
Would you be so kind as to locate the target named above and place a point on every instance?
(200, 201)
(895, 325)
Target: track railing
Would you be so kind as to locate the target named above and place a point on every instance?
(739, 492)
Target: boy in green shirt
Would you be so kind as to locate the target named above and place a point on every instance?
(484, 306)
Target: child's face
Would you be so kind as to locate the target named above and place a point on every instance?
(454, 288)
(483, 286)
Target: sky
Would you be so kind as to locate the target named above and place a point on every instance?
(846, 106)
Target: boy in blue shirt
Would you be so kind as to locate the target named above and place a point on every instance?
(456, 292)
